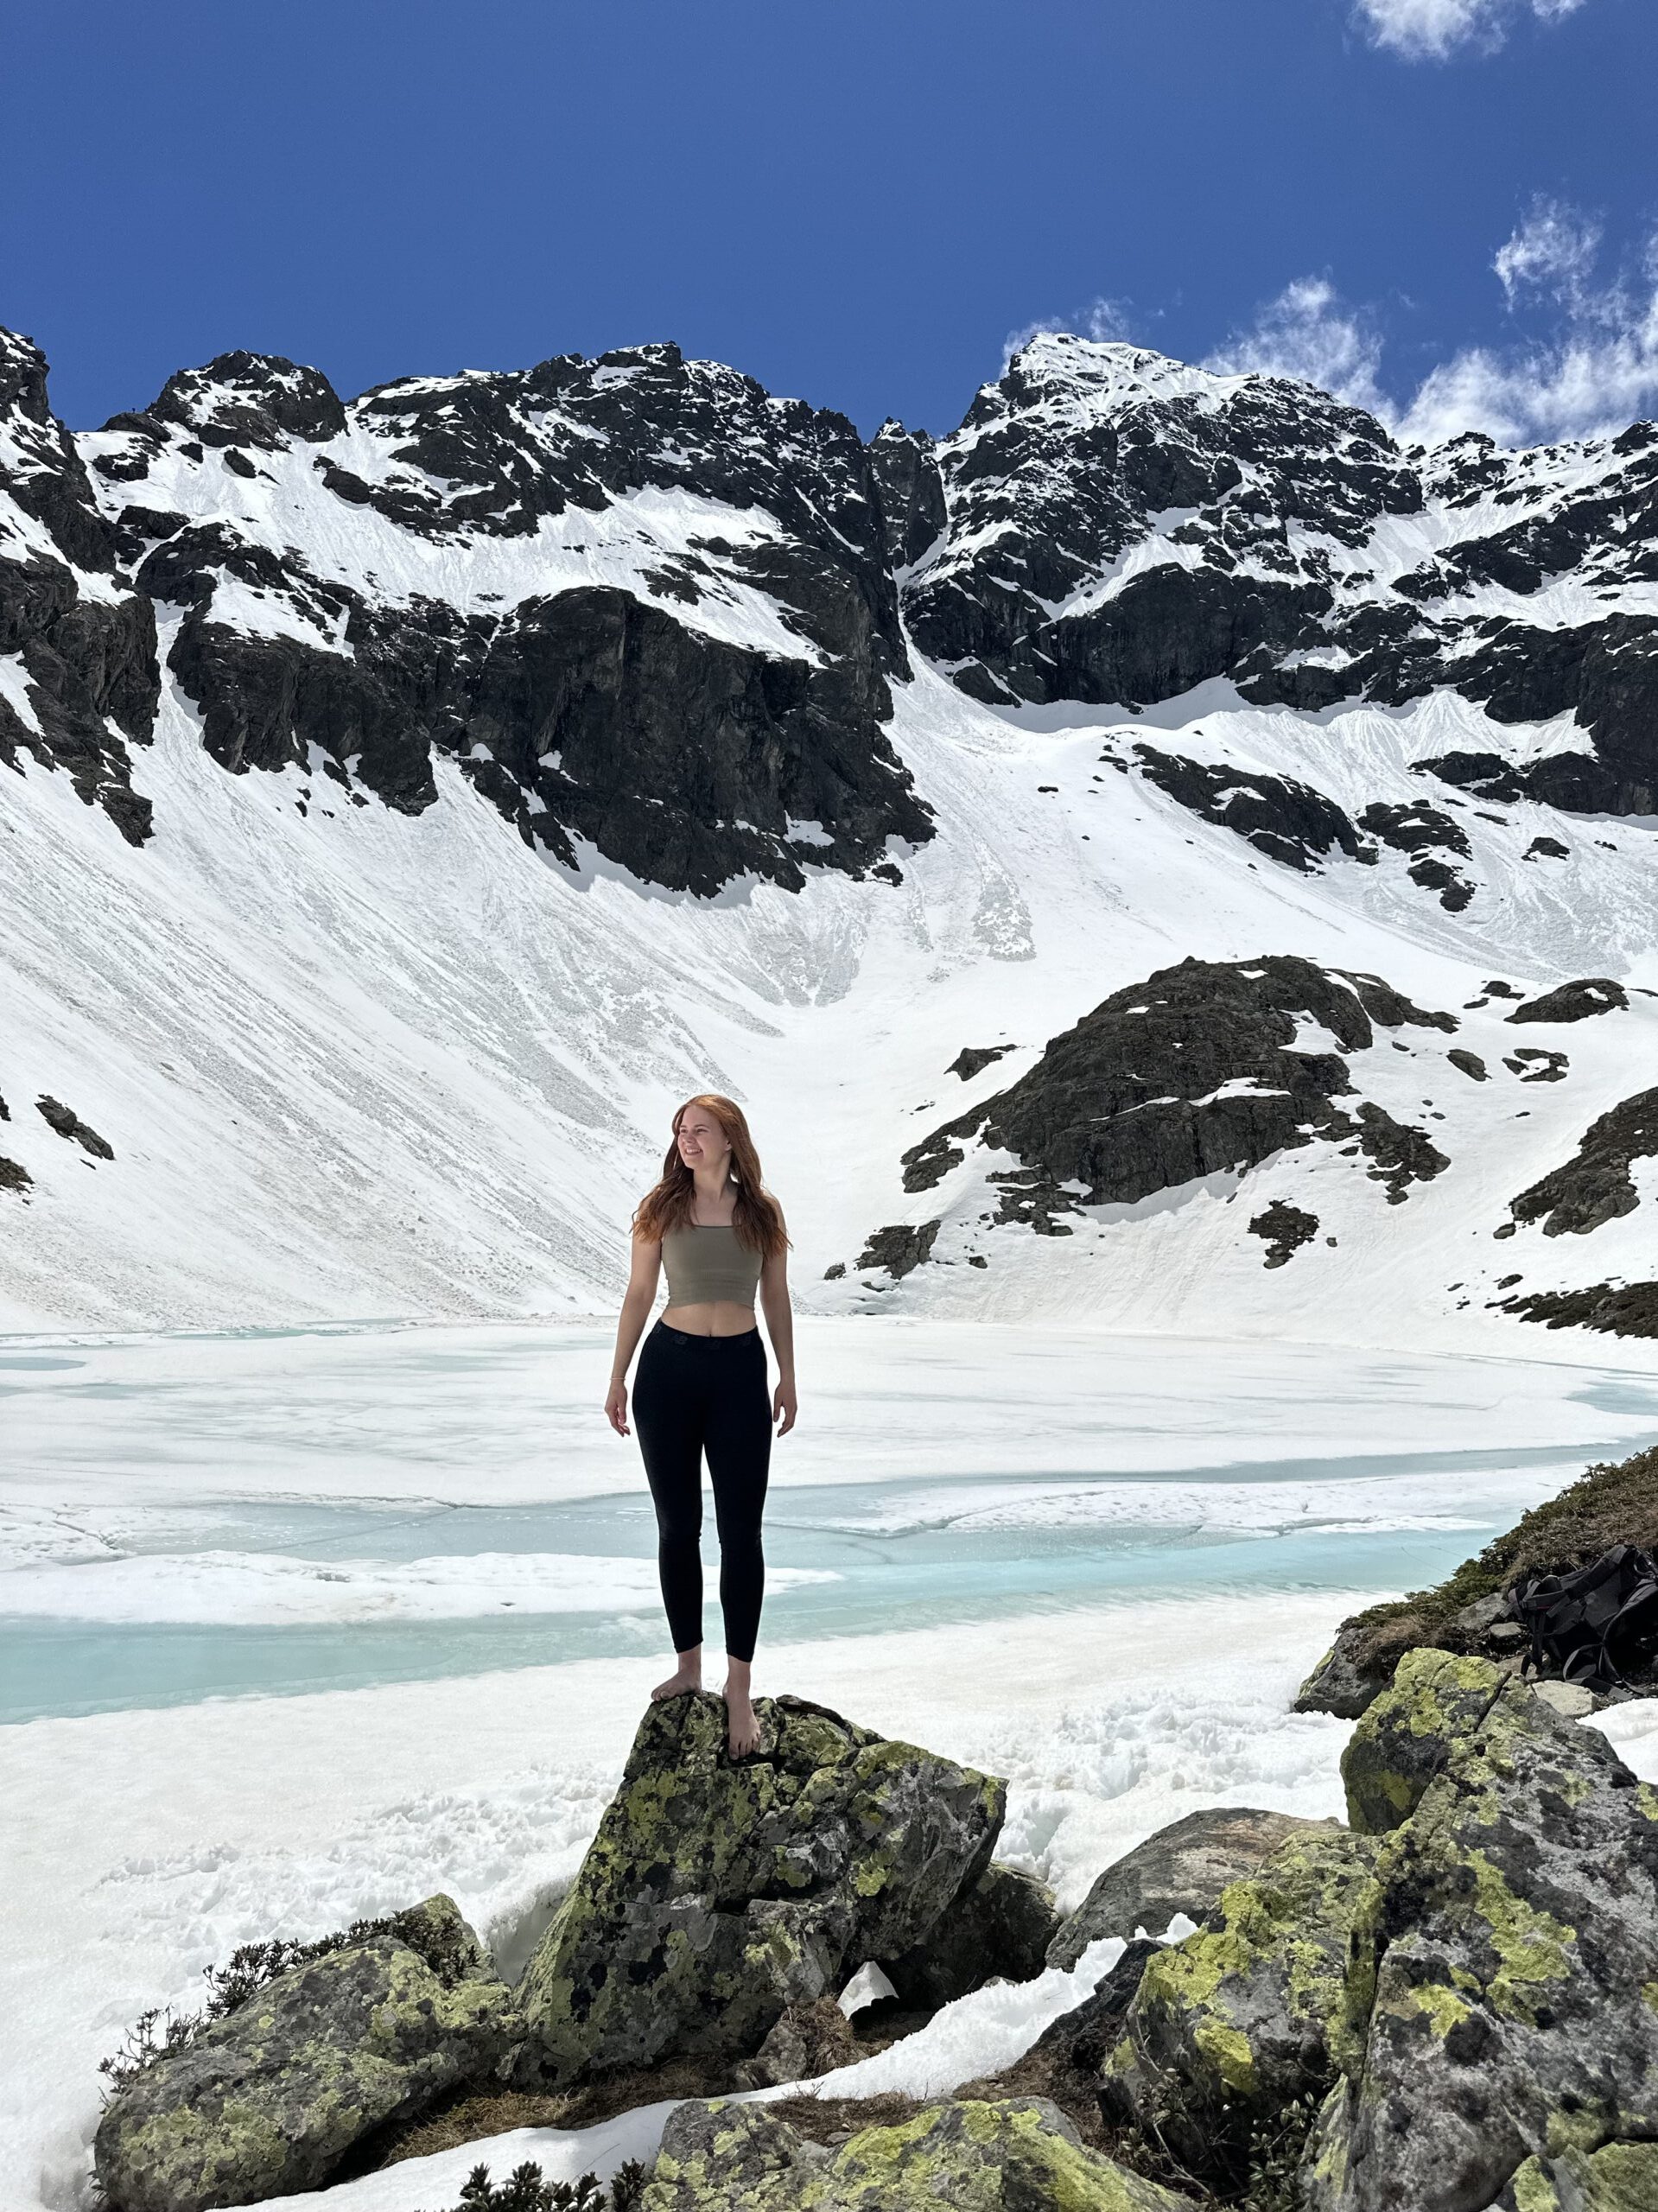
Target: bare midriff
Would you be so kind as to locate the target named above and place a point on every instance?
(723, 1318)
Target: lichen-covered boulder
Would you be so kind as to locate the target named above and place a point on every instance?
(717, 1893)
(267, 2101)
(1502, 1996)
(1183, 1868)
(1623, 2177)
(1000, 1928)
(1347, 1679)
(1228, 2026)
(1017, 2155)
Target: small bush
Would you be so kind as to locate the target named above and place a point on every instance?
(527, 2189)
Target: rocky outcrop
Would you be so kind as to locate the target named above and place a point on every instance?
(1286, 1228)
(268, 2100)
(1596, 1186)
(1238, 2021)
(715, 1894)
(1289, 822)
(999, 1929)
(1194, 1071)
(84, 641)
(1469, 1612)
(1575, 1002)
(1624, 1309)
(68, 1124)
(1017, 2153)
(1498, 1994)
(1181, 1869)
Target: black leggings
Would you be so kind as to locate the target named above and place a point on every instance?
(693, 1394)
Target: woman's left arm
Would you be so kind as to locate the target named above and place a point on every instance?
(780, 1326)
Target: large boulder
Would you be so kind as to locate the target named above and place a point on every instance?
(1230, 2026)
(1623, 2177)
(1183, 1868)
(716, 1893)
(1020, 2152)
(268, 2101)
(1000, 1928)
(1502, 2001)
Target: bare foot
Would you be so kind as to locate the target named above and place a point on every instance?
(742, 1728)
(683, 1679)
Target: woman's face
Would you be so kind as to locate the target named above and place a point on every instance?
(702, 1140)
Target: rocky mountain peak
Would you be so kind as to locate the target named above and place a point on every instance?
(256, 399)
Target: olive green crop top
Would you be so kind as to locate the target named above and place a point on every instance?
(704, 1265)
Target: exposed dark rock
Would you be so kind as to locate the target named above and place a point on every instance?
(1469, 1063)
(1191, 1072)
(1629, 1309)
(1000, 1928)
(804, 2041)
(1547, 848)
(1183, 1868)
(1590, 995)
(1498, 1992)
(716, 1894)
(14, 1177)
(1595, 1186)
(1536, 1064)
(1415, 828)
(1609, 1505)
(973, 1059)
(268, 2100)
(1020, 2153)
(905, 468)
(88, 659)
(899, 1248)
(67, 1123)
(1230, 2026)
(1286, 1228)
(1289, 822)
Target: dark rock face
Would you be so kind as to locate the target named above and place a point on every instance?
(86, 640)
(1001, 1927)
(1469, 1063)
(1346, 1680)
(1190, 1072)
(1286, 1228)
(268, 2101)
(716, 1895)
(14, 1176)
(1577, 1001)
(1183, 1868)
(1291, 822)
(805, 2041)
(973, 1059)
(1629, 1309)
(720, 714)
(68, 1124)
(1423, 831)
(1120, 527)
(1498, 1991)
(898, 1247)
(1595, 1186)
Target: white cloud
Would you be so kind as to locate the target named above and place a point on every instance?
(1594, 368)
(1429, 30)
(1553, 250)
(1309, 333)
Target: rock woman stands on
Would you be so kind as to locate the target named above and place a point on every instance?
(700, 1385)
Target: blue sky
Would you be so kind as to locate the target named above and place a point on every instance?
(1445, 207)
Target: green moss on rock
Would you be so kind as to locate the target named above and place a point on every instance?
(967, 2155)
(717, 1893)
(268, 2101)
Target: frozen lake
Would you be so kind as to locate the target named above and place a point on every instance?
(187, 1517)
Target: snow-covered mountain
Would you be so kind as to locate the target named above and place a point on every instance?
(1164, 823)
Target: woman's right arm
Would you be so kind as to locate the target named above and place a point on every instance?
(640, 1297)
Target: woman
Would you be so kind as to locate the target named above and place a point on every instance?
(702, 1382)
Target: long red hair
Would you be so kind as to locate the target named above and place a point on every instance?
(758, 1219)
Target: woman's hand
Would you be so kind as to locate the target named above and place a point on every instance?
(616, 1406)
(784, 1405)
